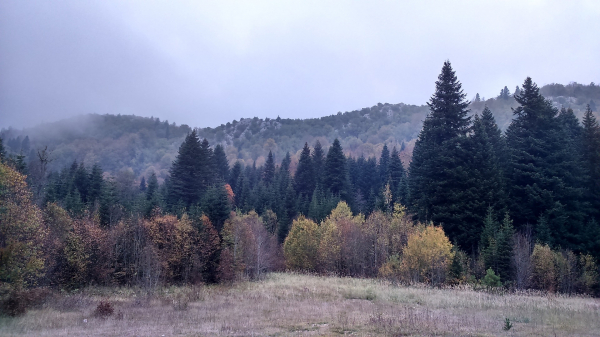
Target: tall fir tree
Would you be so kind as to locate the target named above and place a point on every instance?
(221, 164)
(269, 169)
(384, 166)
(185, 175)
(305, 175)
(397, 177)
(486, 187)
(542, 161)
(591, 160)
(335, 172)
(318, 159)
(439, 168)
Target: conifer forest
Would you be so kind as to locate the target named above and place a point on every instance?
(510, 205)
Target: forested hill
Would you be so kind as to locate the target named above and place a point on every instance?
(141, 145)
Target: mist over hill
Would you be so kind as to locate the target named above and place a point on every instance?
(144, 144)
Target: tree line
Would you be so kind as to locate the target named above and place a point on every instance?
(505, 203)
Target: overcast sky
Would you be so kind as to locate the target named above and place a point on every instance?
(207, 63)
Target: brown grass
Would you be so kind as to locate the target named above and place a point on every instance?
(287, 304)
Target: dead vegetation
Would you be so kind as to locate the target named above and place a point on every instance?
(285, 304)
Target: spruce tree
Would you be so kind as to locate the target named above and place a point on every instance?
(234, 176)
(591, 160)
(304, 178)
(96, 184)
(397, 177)
(2, 151)
(335, 171)
(384, 163)
(439, 171)
(318, 159)
(221, 164)
(486, 179)
(543, 168)
(143, 184)
(206, 167)
(185, 174)
(269, 169)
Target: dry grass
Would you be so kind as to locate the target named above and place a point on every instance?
(296, 305)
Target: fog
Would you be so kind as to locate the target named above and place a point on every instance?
(207, 63)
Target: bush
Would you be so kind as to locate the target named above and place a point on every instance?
(104, 309)
(491, 280)
(18, 302)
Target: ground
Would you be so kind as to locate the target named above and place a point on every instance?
(286, 304)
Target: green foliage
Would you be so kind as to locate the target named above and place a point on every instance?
(491, 280)
(439, 171)
(507, 324)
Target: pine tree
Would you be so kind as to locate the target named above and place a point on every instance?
(439, 174)
(206, 166)
(185, 181)
(318, 159)
(221, 164)
(542, 159)
(143, 184)
(234, 176)
(96, 184)
(591, 159)
(335, 172)
(82, 182)
(216, 206)
(305, 175)
(397, 177)
(2, 151)
(269, 169)
(384, 166)
(486, 178)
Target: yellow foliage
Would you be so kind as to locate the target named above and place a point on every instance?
(544, 271)
(300, 246)
(427, 255)
(21, 233)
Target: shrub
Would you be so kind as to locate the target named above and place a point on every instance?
(491, 280)
(104, 309)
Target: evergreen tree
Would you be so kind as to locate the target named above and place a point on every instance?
(216, 206)
(439, 174)
(206, 166)
(152, 188)
(384, 163)
(335, 173)
(305, 175)
(143, 184)
(269, 169)
(486, 179)
(591, 159)
(543, 166)
(504, 93)
(185, 174)
(221, 164)
(397, 177)
(234, 176)
(2, 151)
(96, 184)
(82, 182)
(318, 159)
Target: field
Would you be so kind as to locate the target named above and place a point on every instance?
(287, 304)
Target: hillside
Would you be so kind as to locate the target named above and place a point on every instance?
(142, 144)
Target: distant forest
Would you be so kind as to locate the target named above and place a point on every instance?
(512, 204)
(143, 145)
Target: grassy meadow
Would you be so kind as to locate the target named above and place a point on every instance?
(286, 304)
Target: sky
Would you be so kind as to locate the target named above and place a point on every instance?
(205, 63)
